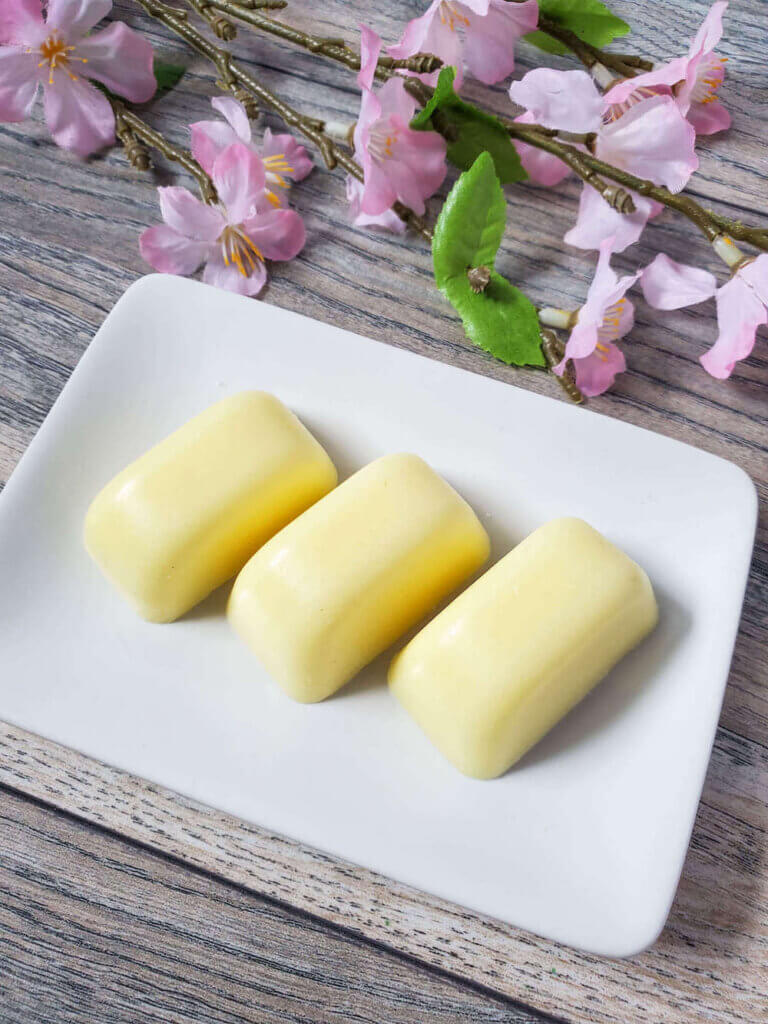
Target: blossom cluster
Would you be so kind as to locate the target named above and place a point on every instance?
(646, 125)
(250, 223)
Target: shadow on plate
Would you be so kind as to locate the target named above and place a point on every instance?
(214, 606)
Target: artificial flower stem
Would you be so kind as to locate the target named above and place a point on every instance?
(563, 318)
(129, 127)
(585, 165)
(728, 252)
(234, 77)
(332, 47)
(342, 131)
(591, 56)
(554, 351)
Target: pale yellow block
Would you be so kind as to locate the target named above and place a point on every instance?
(340, 584)
(186, 516)
(505, 661)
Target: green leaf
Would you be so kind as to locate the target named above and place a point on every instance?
(471, 224)
(500, 320)
(167, 75)
(476, 132)
(468, 233)
(590, 20)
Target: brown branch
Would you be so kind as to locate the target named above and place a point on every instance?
(585, 165)
(554, 351)
(136, 135)
(234, 78)
(332, 47)
(624, 65)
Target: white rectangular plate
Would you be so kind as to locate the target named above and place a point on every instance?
(584, 841)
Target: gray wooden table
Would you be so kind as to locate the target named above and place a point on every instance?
(123, 902)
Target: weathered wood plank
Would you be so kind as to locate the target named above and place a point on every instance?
(93, 928)
(67, 251)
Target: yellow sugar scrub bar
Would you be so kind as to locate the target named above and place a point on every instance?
(508, 658)
(186, 516)
(352, 574)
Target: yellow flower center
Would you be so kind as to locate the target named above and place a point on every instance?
(450, 15)
(277, 166)
(237, 248)
(382, 140)
(709, 78)
(609, 329)
(56, 54)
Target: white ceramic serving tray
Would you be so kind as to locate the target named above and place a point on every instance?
(584, 840)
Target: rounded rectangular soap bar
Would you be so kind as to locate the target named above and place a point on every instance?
(186, 516)
(508, 658)
(352, 574)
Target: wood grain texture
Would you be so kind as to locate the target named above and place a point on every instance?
(93, 928)
(68, 250)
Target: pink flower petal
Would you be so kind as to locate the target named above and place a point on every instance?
(560, 99)
(121, 59)
(708, 118)
(171, 253)
(542, 168)
(218, 274)
(370, 48)
(21, 21)
(417, 166)
(431, 34)
(597, 372)
(388, 221)
(739, 313)
(755, 273)
(489, 48)
(19, 83)
(189, 216)
(277, 234)
(667, 284)
(209, 140)
(598, 221)
(416, 34)
(79, 117)
(296, 155)
(379, 192)
(73, 18)
(239, 177)
(668, 74)
(395, 99)
(234, 113)
(652, 140)
(711, 31)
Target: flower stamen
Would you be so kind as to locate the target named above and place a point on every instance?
(449, 15)
(709, 78)
(238, 249)
(57, 54)
(609, 328)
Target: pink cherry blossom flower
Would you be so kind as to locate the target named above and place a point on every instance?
(650, 139)
(490, 29)
(398, 163)
(56, 52)
(605, 317)
(284, 159)
(693, 79)
(742, 304)
(234, 238)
